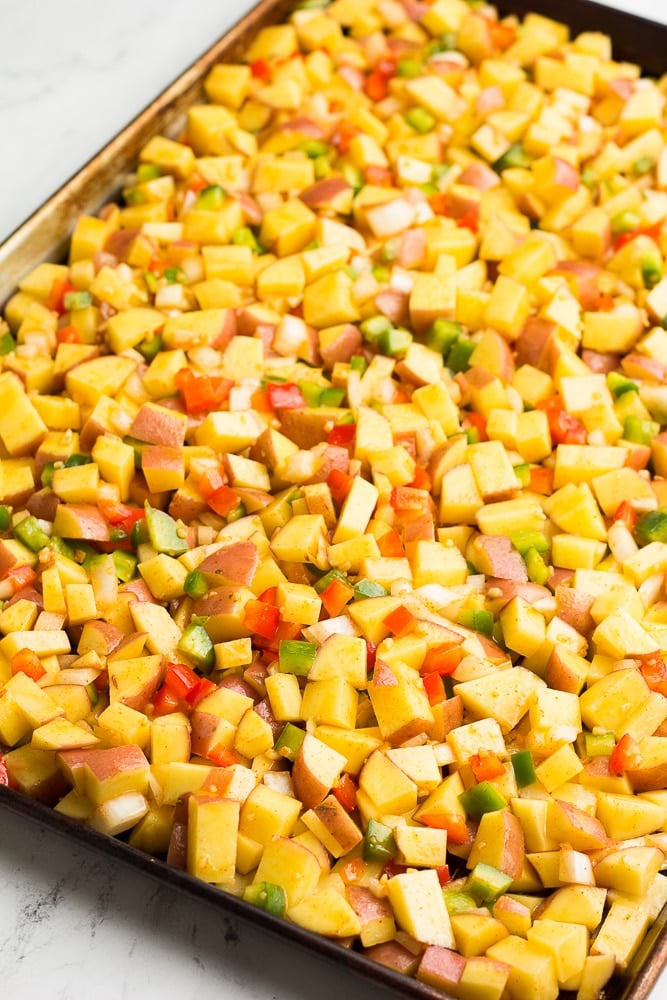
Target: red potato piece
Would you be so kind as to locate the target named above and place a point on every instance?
(581, 275)
(237, 562)
(43, 504)
(393, 304)
(639, 366)
(574, 607)
(420, 529)
(80, 521)
(509, 589)
(393, 955)
(535, 344)
(119, 242)
(304, 126)
(263, 709)
(332, 193)
(347, 343)
(235, 683)
(600, 363)
(334, 456)
(489, 99)
(26, 594)
(157, 424)
(441, 967)
(412, 250)
(495, 556)
(251, 209)
(478, 175)
(314, 771)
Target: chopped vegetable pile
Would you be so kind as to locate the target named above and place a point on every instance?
(333, 509)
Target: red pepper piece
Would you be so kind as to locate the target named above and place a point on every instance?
(390, 545)
(564, 428)
(262, 618)
(165, 702)
(339, 483)
(57, 292)
(400, 621)
(68, 335)
(336, 596)
(434, 687)
(456, 826)
(345, 791)
(202, 393)
(626, 513)
(442, 659)
(261, 70)
(654, 671)
(625, 756)
(25, 661)
(486, 766)
(342, 435)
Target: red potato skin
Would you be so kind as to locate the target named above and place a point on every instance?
(599, 363)
(158, 425)
(505, 562)
(106, 763)
(412, 250)
(510, 589)
(421, 529)
(328, 193)
(367, 906)
(178, 843)
(441, 967)
(92, 526)
(43, 504)
(478, 175)
(346, 344)
(393, 304)
(237, 562)
(140, 591)
(394, 956)
(574, 608)
(263, 709)
(158, 456)
(534, 345)
(27, 594)
(333, 457)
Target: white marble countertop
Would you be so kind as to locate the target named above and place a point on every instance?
(72, 925)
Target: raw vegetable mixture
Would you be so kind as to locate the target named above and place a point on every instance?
(333, 518)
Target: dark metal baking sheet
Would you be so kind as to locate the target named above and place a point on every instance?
(44, 236)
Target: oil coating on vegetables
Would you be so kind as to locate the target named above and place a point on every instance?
(333, 510)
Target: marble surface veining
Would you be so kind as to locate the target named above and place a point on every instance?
(73, 925)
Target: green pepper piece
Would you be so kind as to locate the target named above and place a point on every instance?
(211, 198)
(296, 656)
(195, 584)
(373, 328)
(151, 347)
(267, 896)
(5, 516)
(652, 526)
(588, 177)
(62, 547)
(457, 901)
(379, 843)
(523, 541)
(30, 534)
(237, 513)
(409, 68)
(311, 392)
(477, 619)
(420, 120)
(196, 644)
(537, 569)
(524, 768)
(331, 396)
(244, 237)
(289, 741)
(46, 477)
(324, 581)
(7, 343)
(482, 798)
(394, 342)
(643, 165)
(596, 744)
(93, 693)
(487, 883)
(639, 430)
(354, 176)
(368, 588)
(163, 532)
(620, 384)
(148, 172)
(443, 334)
(125, 564)
(651, 267)
(77, 300)
(381, 273)
(515, 156)
(358, 363)
(314, 148)
(624, 222)
(458, 356)
(522, 473)
(76, 459)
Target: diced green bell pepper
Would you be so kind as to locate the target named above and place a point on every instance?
(624, 222)
(7, 343)
(244, 237)
(368, 588)
(620, 384)
(596, 744)
(537, 569)
(211, 198)
(420, 120)
(515, 156)
(651, 269)
(289, 741)
(477, 619)
(29, 532)
(639, 430)
(524, 768)
(196, 644)
(458, 901)
(482, 798)
(164, 533)
(267, 896)
(5, 516)
(77, 300)
(523, 541)
(487, 883)
(379, 843)
(443, 334)
(652, 526)
(296, 656)
(150, 347)
(394, 342)
(148, 172)
(126, 565)
(324, 581)
(314, 148)
(372, 328)
(458, 356)
(195, 584)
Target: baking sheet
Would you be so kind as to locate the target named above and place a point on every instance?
(45, 236)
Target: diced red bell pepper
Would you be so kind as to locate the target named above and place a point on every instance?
(626, 513)
(285, 396)
(345, 134)
(502, 35)
(121, 515)
(400, 621)
(442, 659)
(269, 596)
(654, 671)
(68, 335)
(223, 756)
(339, 484)
(180, 679)
(262, 618)
(223, 501)
(408, 442)
(541, 480)
(422, 480)
(486, 765)
(371, 651)
(434, 687)
(564, 428)
(261, 70)
(345, 791)
(57, 293)
(375, 86)
(478, 423)
(202, 393)
(203, 687)
(469, 220)
(391, 868)
(623, 238)
(625, 756)
(342, 435)
(456, 826)
(444, 875)
(378, 176)
(336, 596)
(390, 545)
(352, 871)
(439, 202)
(25, 661)
(165, 702)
